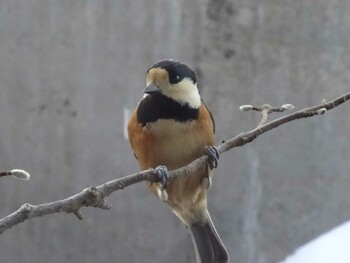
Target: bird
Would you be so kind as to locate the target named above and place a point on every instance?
(170, 127)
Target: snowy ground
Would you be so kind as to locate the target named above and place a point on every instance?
(331, 247)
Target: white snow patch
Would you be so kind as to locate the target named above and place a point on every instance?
(331, 247)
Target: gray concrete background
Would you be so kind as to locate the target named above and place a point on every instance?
(69, 70)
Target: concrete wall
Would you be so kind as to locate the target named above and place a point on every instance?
(70, 69)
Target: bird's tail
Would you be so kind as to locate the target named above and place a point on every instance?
(207, 244)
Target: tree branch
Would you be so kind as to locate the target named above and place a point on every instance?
(96, 196)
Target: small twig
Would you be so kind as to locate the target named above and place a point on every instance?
(265, 110)
(247, 137)
(21, 174)
(95, 196)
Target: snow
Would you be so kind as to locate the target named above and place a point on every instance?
(331, 247)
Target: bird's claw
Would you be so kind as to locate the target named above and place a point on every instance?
(162, 176)
(162, 179)
(213, 156)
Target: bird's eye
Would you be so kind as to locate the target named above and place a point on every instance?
(175, 77)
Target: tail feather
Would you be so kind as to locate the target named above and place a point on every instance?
(207, 244)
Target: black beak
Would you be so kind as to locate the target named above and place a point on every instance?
(151, 88)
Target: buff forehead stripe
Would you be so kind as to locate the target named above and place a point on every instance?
(157, 74)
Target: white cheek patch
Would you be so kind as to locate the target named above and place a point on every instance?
(184, 92)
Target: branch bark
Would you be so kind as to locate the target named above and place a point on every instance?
(96, 196)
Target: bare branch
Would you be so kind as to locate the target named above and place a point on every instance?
(92, 196)
(95, 196)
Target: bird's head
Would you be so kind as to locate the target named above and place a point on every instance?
(174, 80)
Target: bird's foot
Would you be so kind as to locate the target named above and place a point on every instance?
(162, 179)
(213, 156)
(162, 176)
(213, 159)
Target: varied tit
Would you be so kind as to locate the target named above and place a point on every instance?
(170, 128)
